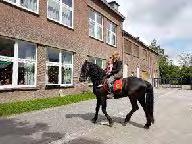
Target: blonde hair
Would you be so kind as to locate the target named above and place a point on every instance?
(116, 56)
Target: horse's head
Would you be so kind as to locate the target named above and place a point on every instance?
(84, 72)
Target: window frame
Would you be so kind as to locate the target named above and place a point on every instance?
(96, 24)
(60, 65)
(95, 60)
(18, 4)
(128, 50)
(60, 14)
(111, 33)
(16, 60)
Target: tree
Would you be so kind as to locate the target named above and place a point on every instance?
(157, 48)
(185, 61)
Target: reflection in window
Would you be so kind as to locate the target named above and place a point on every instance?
(14, 1)
(29, 4)
(6, 47)
(60, 71)
(66, 75)
(53, 55)
(95, 25)
(6, 70)
(63, 6)
(26, 74)
(53, 9)
(67, 58)
(53, 75)
(26, 50)
(111, 33)
(17, 61)
(66, 16)
(100, 62)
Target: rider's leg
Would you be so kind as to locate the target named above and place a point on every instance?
(110, 84)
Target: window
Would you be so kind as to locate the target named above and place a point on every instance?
(59, 67)
(100, 62)
(95, 25)
(31, 5)
(136, 50)
(127, 46)
(17, 63)
(111, 33)
(61, 11)
(144, 54)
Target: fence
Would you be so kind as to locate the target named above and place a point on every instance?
(171, 82)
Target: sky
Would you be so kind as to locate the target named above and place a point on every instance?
(168, 21)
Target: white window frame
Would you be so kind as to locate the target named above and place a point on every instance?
(95, 61)
(15, 61)
(96, 24)
(60, 13)
(111, 33)
(60, 65)
(18, 4)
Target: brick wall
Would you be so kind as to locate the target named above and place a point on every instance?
(18, 23)
(139, 56)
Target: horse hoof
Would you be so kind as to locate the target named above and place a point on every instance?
(94, 121)
(146, 126)
(111, 124)
(124, 124)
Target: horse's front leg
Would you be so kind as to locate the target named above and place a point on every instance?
(94, 120)
(104, 106)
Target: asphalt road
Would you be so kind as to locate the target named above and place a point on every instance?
(71, 124)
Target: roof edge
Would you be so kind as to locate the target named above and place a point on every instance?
(125, 33)
(111, 8)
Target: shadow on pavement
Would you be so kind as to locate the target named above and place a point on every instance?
(84, 141)
(14, 132)
(89, 116)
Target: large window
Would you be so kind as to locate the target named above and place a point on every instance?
(100, 62)
(135, 50)
(17, 64)
(144, 54)
(95, 25)
(111, 37)
(31, 5)
(59, 67)
(127, 46)
(61, 11)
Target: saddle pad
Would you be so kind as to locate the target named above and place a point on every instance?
(118, 84)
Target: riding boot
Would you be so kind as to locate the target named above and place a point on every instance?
(111, 94)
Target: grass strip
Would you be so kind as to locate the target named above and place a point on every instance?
(7, 109)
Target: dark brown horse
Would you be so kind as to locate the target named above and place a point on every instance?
(135, 88)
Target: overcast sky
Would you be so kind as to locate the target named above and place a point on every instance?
(168, 21)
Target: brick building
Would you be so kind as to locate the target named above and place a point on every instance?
(44, 43)
(139, 59)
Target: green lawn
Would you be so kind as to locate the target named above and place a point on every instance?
(7, 109)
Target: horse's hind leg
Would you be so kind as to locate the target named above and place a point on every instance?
(135, 107)
(104, 106)
(97, 110)
(143, 104)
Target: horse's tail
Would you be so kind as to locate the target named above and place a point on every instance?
(150, 101)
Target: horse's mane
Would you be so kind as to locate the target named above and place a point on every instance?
(96, 72)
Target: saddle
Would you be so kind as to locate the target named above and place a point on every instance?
(117, 86)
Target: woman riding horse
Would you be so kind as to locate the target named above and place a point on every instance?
(135, 88)
(116, 73)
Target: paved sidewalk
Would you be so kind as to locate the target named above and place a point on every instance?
(71, 124)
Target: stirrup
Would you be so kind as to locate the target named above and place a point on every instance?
(110, 96)
(99, 85)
